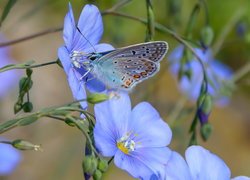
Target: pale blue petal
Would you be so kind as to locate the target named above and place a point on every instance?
(191, 87)
(155, 159)
(157, 133)
(9, 79)
(133, 166)
(9, 159)
(112, 117)
(177, 169)
(205, 165)
(69, 29)
(63, 55)
(77, 88)
(91, 27)
(219, 73)
(105, 139)
(103, 47)
(241, 178)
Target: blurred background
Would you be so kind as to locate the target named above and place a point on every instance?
(63, 145)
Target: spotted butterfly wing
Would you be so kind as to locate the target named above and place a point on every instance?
(125, 67)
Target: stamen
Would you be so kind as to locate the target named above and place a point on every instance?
(126, 144)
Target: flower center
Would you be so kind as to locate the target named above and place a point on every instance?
(126, 144)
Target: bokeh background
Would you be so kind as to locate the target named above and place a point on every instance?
(63, 145)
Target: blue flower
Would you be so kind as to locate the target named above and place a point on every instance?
(136, 138)
(9, 159)
(10, 78)
(218, 75)
(86, 41)
(200, 164)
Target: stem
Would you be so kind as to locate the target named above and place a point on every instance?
(150, 21)
(26, 66)
(42, 33)
(177, 110)
(227, 28)
(6, 142)
(241, 72)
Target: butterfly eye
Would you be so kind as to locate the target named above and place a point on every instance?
(92, 58)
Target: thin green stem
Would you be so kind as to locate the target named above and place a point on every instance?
(227, 28)
(150, 21)
(241, 72)
(42, 33)
(177, 110)
(26, 65)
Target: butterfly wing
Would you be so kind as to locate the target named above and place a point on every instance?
(126, 67)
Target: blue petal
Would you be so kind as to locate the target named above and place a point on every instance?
(8, 79)
(205, 165)
(241, 178)
(105, 139)
(9, 159)
(112, 117)
(103, 47)
(219, 73)
(157, 133)
(133, 166)
(176, 168)
(77, 88)
(191, 87)
(145, 162)
(69, 29)
(63, 55)
(91, 27)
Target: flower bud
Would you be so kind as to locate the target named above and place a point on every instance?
(97, 175)
(207, 35)
(205, 108)
(206, 131)
(97, 98)
(25, 145)
(25, 84)
(27, 107)
(17, 107)
(70, 121)
(29, 72)
(102, 165)
(89, 164)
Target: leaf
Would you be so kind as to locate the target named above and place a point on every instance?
(7, 9)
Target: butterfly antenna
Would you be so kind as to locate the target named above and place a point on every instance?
(85, 38)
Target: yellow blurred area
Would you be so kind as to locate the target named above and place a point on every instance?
(63, 146)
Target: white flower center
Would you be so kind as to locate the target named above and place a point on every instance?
(126, 144)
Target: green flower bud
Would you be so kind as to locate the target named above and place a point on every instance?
(70, 121)
(207, 35)
(97, 175)
(25, 145)
(89, 164)
(27, 107)
(205, 131)
(29, 72)
(102, 165)
(97, 98)
(17, 107)
(25, 84)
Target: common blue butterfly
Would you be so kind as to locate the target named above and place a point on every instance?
(125, 67)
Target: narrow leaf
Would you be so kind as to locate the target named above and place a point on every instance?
(7, 9)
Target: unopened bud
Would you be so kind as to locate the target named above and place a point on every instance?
(207, 35)
(70, 121)
(205, 131)
(17, 107)
(89, 164)
(205, 109)
(25, 84)
(29, 72)
(97, 98)
(97, 175)
(27, 107)
(102, 165)
(25, 145)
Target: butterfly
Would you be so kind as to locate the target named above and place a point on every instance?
(123, 68)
